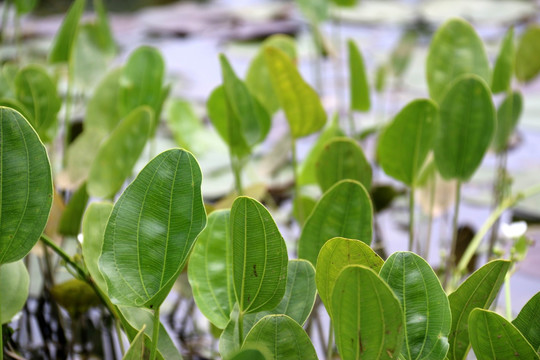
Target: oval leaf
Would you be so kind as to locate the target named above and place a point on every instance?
(366, 315)
(404, 145)
(334, 256)
(455, 50)
(259, 257)
(14, 284)
(358, 79)
(118, 153)
(508, 115)
(343, 211)
(528, 54)
(64, 42)
(26, 191)
(282, 337)
(210, 270)
(424, 303)
(504, 64)
(152, 229)
(527, 321)
(467, 124)
(300, 102)
(493, 337)
(342, 159)
(478, 291)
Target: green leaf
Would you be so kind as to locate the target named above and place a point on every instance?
(64, 42)
(335, 255)
(424, 304)
(455, 50)
(210, 270)
(118, 154)
(343, 211)
(504, 64)
(527, 321)
(36, 90)
(282, 337)
(345, 3)
(102, 34)
(253, 119)
(16, 105)
(93, 228)
(467, 124)
(366, 315)
(258, 77)
(358, 79)
(315, 11)
(81, 153)
(141, 82)
(404, 145)
(303, 206)
(342, 159)
(26, 190)
(136, 349)
(24, 6)
(148, 240)
(70, 221)
(300, 102)
(259, 257)
(527, 54)
(14, 284)
(478, 291)
(380, 78)
(307, 172)
(402, 53)
(297, 303)
(251, 354)
(508, 115)
(493, 337)
(102, 113)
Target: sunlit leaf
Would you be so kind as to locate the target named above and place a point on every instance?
(259, 257)
(342, 159)
(424, 304)
(64, 42)
(210, 270)
(358, 79)
(335, 255)
(527, 321)
(404, 145)
(455, 50)
(366, 315)
(466, 127)
(478, 291)
(301, 104)
(148, 240)
(493, 337)
(14, 283)
(528, 54)
(282, 337)
(25, 186)
(504, 64)
(343, 211)
(117, 155)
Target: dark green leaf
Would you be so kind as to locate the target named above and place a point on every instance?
(70, 222)
(358, 79)
(347, 3)
(148, 240)
(64, 42)
(478, 291)
(493, 338)
(343, 211)
(527, 321)
(528, 54)
(366, 315)
(424, 304)
(455, 50)
(504, 64)
(508, 115)
(14, 283)
(467, 124)
(25, 186)
(404, 145)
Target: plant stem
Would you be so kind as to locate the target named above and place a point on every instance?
(296, 184)
(508, 297)
(498, 196)
(330, 345)
(411, 218)
(236, 165)
(155, 334)
(240, 328)
(67, 114)
(450, 263)
(432, 187)
(119, 335)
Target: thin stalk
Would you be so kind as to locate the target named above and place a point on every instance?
(411, 218)
(296, 184)
(498, 196)
(330, 346)
(240, 328)
(155, 335)
(236, 166)
(450, 261)
(67, 114)
(119, 335)
(433, 186)
(508, 297)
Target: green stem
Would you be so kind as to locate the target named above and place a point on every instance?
(155, 334)
(236, 166)
(433, 186)
(119, 335)
(498, 196)
(508, 297)
(67, 114)
(411, 218)
(240, 328)
(450, 263)
(296, 183)
(330, 346)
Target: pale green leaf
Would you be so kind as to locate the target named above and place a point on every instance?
(528, 54)
(508, 114)
(102, 113)
(315, 11)
(527, 321)
(455, 50)
(402, 53)
(424, 304)
(26, 190)
(343, 211)
(358, 79)
(366, 315)
(64, 42)
(478, 291)
(14, 283)
(152, 229)
(504, 64)
(405, 143)
(136, 348)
